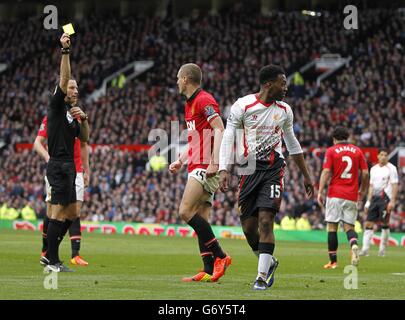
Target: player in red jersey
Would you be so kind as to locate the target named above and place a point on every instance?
(342, 163)
(205, 130)
(81, 158)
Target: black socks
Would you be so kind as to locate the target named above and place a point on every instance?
(53, 235)
(352, 237)
(204, 232)
(75, 237)
(65, 227)
(207, 257)
(332, 246)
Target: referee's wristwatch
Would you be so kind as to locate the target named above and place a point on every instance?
(65, 50)
(85, 118)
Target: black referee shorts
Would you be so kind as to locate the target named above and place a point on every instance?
(61, 176)
(378, 208)
(262, 189)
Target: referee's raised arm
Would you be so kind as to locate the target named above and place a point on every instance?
(65, 72)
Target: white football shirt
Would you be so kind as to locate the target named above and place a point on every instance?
(264, 127)
(382, 178)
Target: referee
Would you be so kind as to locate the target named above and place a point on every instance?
(63, 128)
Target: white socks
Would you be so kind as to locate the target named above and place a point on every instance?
(265, 261)
(385, 234)
(368, 234)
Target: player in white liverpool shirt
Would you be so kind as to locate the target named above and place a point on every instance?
(382, 195)
(264, 121)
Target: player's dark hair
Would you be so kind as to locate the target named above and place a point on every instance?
(269, 73)
(340, 133)
(382, 150)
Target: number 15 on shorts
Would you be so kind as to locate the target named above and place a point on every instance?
(275, 191)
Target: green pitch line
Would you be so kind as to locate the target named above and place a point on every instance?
(140, 267)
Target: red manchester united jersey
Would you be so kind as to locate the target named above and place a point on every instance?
(77, 156)
(344, 162)
(201, 108)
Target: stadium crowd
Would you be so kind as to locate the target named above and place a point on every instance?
(229, 47)
(368, 97)
(122, 190)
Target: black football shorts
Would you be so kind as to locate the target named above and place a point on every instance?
(262, 189)
(61, 176)
(378, 208)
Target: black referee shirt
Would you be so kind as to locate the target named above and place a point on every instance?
(62, 128)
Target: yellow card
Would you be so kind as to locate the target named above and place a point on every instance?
(68, 28)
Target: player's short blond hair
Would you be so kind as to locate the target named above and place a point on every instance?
(192, 72)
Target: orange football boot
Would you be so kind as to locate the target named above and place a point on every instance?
(79, 261)
(220, 266)
(199, 277)
(330, 265)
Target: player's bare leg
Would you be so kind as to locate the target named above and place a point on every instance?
(250, 227)
(75, 238)
(332, 245)
(267, 263)
(352, 238)
(367, 236)
(194, 195)
(204, 207)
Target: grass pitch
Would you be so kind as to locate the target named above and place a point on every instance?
(142, 267)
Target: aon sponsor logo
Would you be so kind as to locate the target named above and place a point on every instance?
(191, 125)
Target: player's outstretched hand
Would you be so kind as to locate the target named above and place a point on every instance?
(309, 188)
(65, 40)
(212, 170)
(224, 178)
(175, 166)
